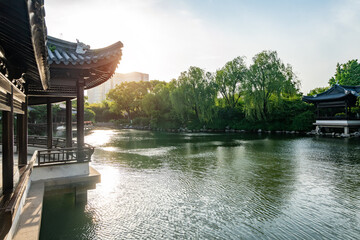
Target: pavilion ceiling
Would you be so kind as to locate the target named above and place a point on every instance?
(22, 41)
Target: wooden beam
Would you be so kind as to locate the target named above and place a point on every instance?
(80, 119)
(8, 148)
(8, 87)
(43, 100)
(56, 94)
(49, 125)
(68, 123)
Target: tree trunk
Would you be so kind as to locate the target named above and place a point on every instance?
(196, 113)
(265, 110)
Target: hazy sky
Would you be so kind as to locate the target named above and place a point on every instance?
(165, 37)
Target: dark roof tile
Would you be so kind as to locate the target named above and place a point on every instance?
(68, 52)
(334, 93)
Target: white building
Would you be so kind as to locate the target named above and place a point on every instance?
(98, 94)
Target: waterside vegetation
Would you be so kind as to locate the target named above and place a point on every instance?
(264, 95)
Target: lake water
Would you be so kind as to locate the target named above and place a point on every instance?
(213, 186)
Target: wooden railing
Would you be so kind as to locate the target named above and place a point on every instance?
(9, 203)
(64, 155)
(59, 153)
(42, 141)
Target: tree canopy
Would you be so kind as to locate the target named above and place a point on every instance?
(268, 79)
(157, 104)
(127, 97)
(263, 95)
(317, 90)
(195, 93)
(230, 81)
(347, 74)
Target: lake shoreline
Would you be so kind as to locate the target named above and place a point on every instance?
(228, 130)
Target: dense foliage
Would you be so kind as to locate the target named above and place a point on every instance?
(347, 74)
(264, 95)
(37, 114)
(102, 111)
(317, 90)
(268, 82)
(194, 96)
(230, 81)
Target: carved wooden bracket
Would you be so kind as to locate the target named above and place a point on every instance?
(19, 83)
(3, 66)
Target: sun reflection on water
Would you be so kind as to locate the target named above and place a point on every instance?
(99, 137)
(109, 177)
(110, 149)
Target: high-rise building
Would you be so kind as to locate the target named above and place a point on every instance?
(98, 94)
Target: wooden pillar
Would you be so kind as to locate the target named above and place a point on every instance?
(22, 136)
(317, 111)
(68, 123)
(49, 125)
(350, 115)
(8, 147)
(80, 119)
(80, 196)
(346, 109)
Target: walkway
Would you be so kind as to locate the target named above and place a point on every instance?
(30, 218)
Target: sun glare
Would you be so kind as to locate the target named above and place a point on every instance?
(108, 174)
(99, 137)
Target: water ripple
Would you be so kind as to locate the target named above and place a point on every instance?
(199, 186)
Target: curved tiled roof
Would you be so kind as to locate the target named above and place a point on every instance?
(334, 93)
(70, 62)
(60, 51)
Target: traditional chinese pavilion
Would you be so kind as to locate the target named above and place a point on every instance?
(39, 69)
(334, 107)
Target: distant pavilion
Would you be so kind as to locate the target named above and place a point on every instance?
(334, 107)
(39, 69)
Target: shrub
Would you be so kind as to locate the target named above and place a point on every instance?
(303, 121)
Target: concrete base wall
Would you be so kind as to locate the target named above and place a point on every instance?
(338, 123)
(15, 223)
(59, 171)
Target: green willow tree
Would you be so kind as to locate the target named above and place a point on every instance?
(127, 96)
(38, 113)
(268, 80)
(347, 74)
(194, 93)
(230, 81)
(157, 105)
(102, 111)
(263, 96)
